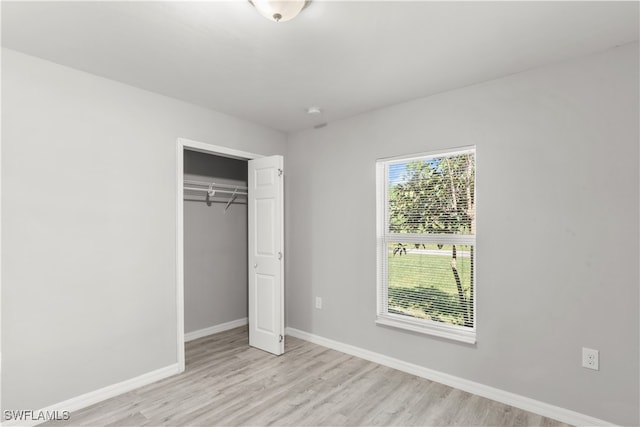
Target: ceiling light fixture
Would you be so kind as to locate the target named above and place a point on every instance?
(279, 10)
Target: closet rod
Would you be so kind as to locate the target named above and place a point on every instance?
(207, 184)
(239, 193)
(220, 201)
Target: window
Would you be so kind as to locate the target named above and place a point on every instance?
(426, 243)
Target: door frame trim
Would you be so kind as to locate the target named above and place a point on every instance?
(218, 150)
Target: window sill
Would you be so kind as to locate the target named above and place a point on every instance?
(439, 330)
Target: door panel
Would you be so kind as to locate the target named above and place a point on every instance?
(265, 239)
(264, 294)
(266, 248)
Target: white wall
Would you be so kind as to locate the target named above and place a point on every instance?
(88, 226)
(557, 220)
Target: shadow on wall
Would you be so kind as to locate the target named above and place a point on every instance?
(196, 163)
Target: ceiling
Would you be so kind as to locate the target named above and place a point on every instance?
(344, 57)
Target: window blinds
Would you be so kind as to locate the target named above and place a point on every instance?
(427, 245)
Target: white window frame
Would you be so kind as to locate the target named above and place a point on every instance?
(430, 327)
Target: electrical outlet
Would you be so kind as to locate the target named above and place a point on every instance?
(319, 303)
(590, 358)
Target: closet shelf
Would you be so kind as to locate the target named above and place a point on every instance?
(212, 188)
(239, 193)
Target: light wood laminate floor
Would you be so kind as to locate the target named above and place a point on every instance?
(226, 382)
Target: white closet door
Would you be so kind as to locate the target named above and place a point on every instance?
(266, 254)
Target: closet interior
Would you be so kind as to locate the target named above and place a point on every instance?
(215, 242)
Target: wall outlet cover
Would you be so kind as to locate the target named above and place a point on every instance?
(590, 358)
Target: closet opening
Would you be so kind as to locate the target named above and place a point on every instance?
(215, 244)
(230, 245)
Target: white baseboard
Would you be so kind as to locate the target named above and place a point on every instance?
(96, 396)
(99, 395)
(190, 336)
(512, 399)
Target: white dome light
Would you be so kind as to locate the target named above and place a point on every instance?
(279, 10)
